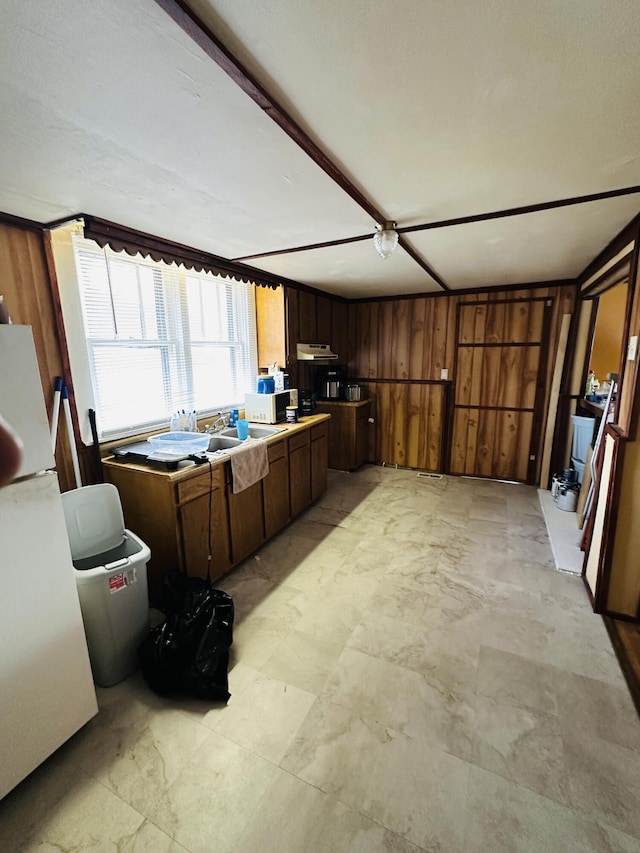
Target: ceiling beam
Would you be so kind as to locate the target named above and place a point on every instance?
(463, 220)
(200, 33)
(520, 211)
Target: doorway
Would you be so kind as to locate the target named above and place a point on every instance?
(501, 354)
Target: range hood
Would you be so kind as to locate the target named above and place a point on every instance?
(315, 352)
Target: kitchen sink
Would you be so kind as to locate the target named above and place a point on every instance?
(222, 442)
(254, 431)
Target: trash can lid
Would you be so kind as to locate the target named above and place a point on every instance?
(123, 551)
(94, 519)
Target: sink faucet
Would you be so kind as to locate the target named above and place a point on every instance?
(219, 424)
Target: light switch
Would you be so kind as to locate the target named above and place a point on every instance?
(444, 373)
(633, 348)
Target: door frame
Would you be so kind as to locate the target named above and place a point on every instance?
(536, 438)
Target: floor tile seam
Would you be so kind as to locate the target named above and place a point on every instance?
(565, 805)
(406, 666)
(129, 805)
(348, 806)
(372, 724)
(568, 803)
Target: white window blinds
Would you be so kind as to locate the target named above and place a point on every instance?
(161, 339)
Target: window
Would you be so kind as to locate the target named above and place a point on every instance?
(160, 338)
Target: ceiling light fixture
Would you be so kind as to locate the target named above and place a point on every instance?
(385, 239)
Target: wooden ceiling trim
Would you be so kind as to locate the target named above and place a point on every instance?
(620, 243)
(520, 211)
(469, 220)
(198, 31)
(20, 222)
(421, 263)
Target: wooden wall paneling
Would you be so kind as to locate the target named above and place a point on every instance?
(339, 339)
(401, 337)
(292, 335)
(434, 428)
(416, 426)
(354, 350)
(399, 401)
(372, 454)
(495, 328)
(467, 321)
(382, 426)
(323, 324)
(476, 377)
(386, 347)
(418, 346)
(526, 471)
(491, 374)
(472, 440)
(457, 451)
(375, 368)
(487, 428)
(363, 333)
(444, 347)
(307, 317)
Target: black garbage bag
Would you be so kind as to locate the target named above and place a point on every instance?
(189, 652)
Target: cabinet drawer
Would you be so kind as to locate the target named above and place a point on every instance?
(277, 450)
(318, 431)
(200, 485)
(301, 439)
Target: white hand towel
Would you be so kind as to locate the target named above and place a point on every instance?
(249, 463)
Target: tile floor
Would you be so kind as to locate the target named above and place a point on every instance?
(410, 673)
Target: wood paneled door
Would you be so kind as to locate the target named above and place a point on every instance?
(500, 362)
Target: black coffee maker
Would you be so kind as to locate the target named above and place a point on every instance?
(306, 403)
(330, 382)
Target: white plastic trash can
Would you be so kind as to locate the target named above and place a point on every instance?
(110, 565)
(582, 436)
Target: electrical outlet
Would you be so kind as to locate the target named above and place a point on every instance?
(444, 373)
(633, 348)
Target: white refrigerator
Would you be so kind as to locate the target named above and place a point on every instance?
(46, 687)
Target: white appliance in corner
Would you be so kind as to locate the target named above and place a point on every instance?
(46, 687)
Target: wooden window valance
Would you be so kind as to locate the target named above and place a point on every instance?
(120, 238)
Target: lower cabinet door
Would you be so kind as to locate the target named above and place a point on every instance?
(300, 478)
(319, 461)
(204, 524)
(246, 521)
(275, 491)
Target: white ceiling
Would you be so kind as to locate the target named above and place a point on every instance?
(433, 110)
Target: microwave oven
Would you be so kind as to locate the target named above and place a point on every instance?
(267, 408)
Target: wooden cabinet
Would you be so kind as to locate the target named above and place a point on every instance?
(300, 472)
(178, 518)
(184, 516)
(275, 490)
(246, 520)
(348, 441)
(319, 456)
(203, 528)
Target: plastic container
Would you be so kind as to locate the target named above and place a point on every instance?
(179, 444)
(266, 385)
(582, 436)
(110, 567)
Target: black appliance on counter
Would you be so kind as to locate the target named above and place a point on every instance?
(306, 403)
(330, 382)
